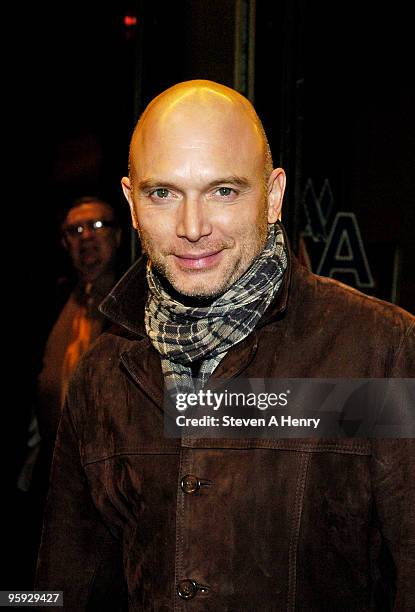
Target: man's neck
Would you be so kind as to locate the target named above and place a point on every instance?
(102, 284)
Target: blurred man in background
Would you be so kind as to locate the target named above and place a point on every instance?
(91, 236)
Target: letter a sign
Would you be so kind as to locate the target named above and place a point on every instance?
(344, 251)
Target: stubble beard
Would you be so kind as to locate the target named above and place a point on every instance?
(233, 271)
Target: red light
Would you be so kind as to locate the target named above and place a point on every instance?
(130, 20)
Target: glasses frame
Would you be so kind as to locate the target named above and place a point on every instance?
(75, 230)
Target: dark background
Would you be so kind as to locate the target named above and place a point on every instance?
(334, 86)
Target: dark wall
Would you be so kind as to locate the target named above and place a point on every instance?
(181, 41)
(339, 93)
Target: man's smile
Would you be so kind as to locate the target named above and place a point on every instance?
(194, 261)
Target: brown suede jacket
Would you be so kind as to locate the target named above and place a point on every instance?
(284, 525)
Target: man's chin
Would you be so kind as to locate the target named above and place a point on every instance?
(198, 288)
(92, 271)
(199, 293)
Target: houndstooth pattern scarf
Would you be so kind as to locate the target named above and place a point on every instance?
(183, 334)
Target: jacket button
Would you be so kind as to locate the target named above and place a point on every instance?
(190, 484)
(187, 589)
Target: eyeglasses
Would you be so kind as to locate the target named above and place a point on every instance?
(77, 229)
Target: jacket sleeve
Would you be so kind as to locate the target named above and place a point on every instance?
(393, 481)
(403, 361)
(78, 555)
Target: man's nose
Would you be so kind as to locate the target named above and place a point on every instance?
(87, 233)
(193, 220)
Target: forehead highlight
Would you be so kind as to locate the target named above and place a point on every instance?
(203, 104)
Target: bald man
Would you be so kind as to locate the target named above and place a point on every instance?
(140, 521)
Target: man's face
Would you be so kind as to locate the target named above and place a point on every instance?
(92, 249)
(198, 200)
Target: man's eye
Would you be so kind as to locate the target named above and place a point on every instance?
(160, 193)
(226, 191)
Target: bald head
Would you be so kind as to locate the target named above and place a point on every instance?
(201, 188)
(199, 106)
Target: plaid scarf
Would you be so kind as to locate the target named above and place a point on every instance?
(183, 334)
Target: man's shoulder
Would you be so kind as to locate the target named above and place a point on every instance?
(351, 333)
(342, 301)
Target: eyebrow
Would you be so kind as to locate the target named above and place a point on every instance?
(238, 181)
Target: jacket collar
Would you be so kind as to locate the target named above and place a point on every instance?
(126, 302)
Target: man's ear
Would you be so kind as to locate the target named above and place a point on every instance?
(127, 189)
(276, 188)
